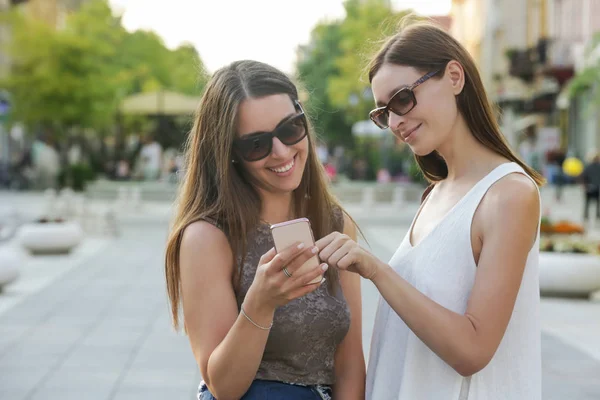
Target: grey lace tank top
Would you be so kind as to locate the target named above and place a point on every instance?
(306, 331)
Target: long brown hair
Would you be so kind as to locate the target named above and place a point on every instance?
(426, 47)
(215, 188)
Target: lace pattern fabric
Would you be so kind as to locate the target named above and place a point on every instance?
(306, 332)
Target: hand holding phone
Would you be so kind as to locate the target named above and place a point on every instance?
(285, 234)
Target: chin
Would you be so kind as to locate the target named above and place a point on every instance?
(421, 151)
(287, 185)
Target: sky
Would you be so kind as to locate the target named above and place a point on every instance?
(226, 30)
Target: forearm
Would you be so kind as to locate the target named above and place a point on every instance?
(233, 364)
(450, 335)
(350, 387)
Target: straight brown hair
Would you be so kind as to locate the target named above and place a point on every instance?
(426, 47)
(215, 188)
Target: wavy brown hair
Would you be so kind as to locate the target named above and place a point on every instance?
(215, 188)
(426, 47)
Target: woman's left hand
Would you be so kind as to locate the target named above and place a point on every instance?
(340, 251)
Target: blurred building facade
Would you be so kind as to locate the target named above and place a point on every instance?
(527, 51)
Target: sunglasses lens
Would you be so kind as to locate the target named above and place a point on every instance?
(380, 118)
(255, 148)
(402, 102)
(292, 131)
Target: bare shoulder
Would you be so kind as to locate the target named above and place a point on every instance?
(514, 191)
(349, 226)
(514, 197)
(203, 244)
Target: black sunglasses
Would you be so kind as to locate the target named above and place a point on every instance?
(400, 103)
(258, 145)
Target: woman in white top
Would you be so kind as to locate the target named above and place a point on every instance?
(459, 314)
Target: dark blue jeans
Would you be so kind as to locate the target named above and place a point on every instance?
(272, 390)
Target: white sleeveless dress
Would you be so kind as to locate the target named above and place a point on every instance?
(442, 267)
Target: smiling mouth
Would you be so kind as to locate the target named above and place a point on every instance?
(407, 135)
(284, 168)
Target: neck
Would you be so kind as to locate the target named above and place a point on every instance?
(276, 207)
(464, 154)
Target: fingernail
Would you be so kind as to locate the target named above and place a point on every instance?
(301, 246)
(315, 250)
(324, 267)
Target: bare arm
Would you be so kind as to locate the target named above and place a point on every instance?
(228, 348)
(510, 214)
(350, 368)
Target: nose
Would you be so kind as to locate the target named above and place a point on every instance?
(395, 120)
(280, 150)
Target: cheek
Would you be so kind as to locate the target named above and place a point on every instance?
(254, 168)
(440, 112)
(302, 148)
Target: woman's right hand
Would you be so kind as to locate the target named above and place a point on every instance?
(272, 288)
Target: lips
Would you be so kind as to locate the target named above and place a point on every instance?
(283, 168)
(406, 135)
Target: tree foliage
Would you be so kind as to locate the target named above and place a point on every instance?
(333, 65)
(78, 75)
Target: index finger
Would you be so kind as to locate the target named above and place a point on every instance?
(324, 242)
(287, 254)
(268, 256)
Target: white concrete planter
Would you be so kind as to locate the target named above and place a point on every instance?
(569, 274)
(10, 263)
(50, 238)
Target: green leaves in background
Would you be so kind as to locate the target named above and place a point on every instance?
(77, 76)
(332, 66)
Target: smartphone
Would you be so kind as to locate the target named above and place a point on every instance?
(298, 230)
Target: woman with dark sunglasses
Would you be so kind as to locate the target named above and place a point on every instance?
(256, 328)
(459, 312)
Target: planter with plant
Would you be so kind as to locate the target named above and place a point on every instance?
(50, 236)
(569, 259)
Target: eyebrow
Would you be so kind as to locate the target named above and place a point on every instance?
(283, 121)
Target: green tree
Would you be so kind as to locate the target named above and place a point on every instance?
(63, 78)
(366, 24)
(148, 65)
(188, 72)
(76, 77)
(316, 65)
(143, 60)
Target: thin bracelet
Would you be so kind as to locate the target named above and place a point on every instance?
(373, 273)
(254, 323)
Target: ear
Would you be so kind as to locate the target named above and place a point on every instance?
(456, 74)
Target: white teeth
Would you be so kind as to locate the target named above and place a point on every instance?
(283, 169)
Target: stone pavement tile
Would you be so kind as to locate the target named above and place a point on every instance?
(97, 358)
(38, 272)
(89, 393)
(164, 357)
(568, 373)
(76, 378)
(101, 329)
(17, 382)
(154, 393)
(10, 333)
(575, 321)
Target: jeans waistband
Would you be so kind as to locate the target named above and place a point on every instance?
(259, 387)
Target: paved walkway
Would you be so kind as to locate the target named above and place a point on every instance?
(99, 331)
(95, 324)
